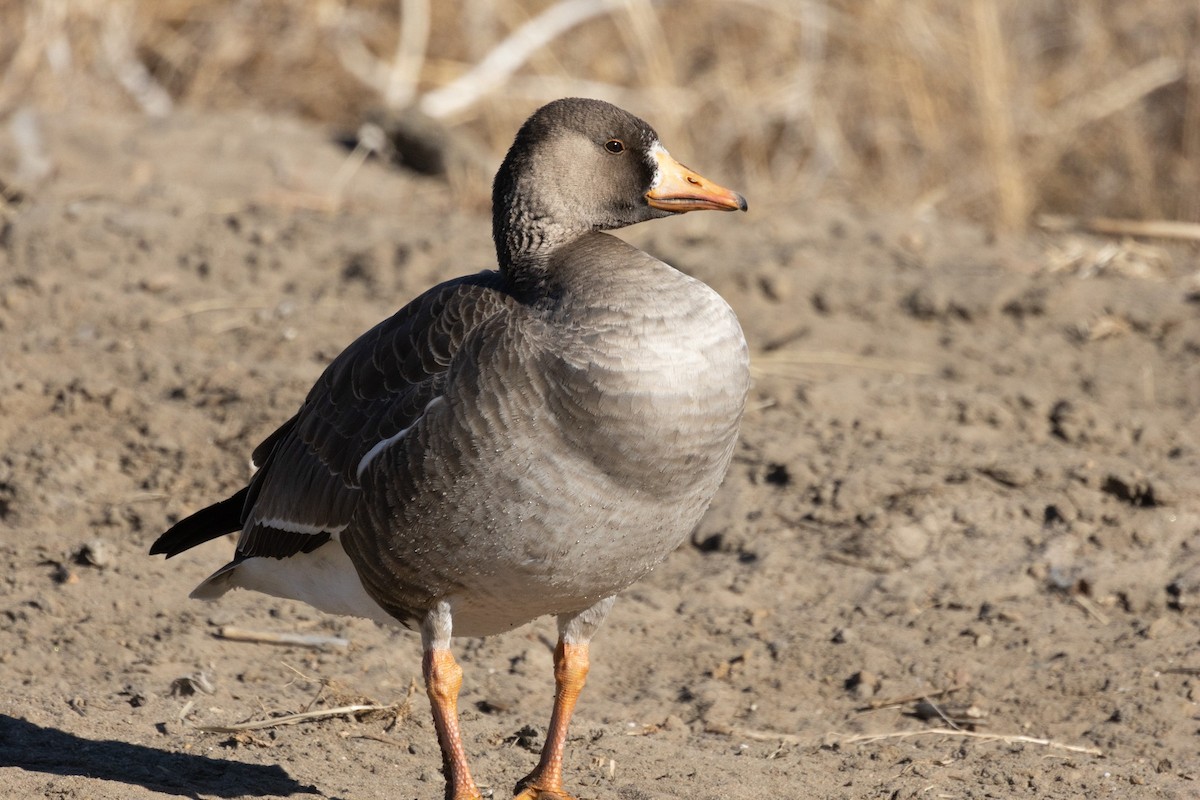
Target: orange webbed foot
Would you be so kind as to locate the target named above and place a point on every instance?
(531, 791)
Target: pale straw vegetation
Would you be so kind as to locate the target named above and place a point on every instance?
(1001, 111)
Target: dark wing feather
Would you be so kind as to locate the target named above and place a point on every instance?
(263, 451)
(208, 523)
(307, 483)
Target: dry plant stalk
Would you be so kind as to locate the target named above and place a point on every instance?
(869, 738)
(995, 99)
(362, 710)
(317, 641)
(303, 716)
(893, 702)
(1011, 738)
(991, 109)
(1144, 228)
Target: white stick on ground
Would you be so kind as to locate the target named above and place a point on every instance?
(866, 738)
(292, 719)
(297, 639)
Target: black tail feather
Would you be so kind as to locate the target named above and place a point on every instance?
(207, 523)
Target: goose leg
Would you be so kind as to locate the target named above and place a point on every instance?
(443, 679)
(570, 672)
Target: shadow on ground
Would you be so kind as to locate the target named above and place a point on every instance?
(36, 749)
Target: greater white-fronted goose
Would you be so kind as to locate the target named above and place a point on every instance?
(514, 443)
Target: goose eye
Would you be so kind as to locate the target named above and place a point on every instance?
(614, 146)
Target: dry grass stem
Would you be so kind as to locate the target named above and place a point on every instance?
(1190, 208)
(410, 54)
(315, 641)
(995, 100)
(119, 47)
(1148, 228)
(1113, 97)
(1090, 608)
(1180, 671)
(868, 738)
(895, 702)
(990, 109)
(736, 732)
(295, 719)
(209, 305)
(375, 737)
(508, 56)
(942, 715)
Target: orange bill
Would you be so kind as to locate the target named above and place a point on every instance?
(678, 189)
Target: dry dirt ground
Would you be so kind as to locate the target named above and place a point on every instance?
(964, 517)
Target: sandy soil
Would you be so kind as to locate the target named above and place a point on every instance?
(970, 473)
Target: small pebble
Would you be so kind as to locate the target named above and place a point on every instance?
(95, 553)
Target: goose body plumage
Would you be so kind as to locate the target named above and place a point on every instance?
(514, 443)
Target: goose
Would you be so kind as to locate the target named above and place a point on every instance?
(520, 442)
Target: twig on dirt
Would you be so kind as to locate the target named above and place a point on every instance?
(858, 563)
(755, 736)
(959, 717)
(1090, 608)
(868, 738)
(129, 499)
(940, 714)
(267, 637)
(1146, 228)
(301, 675)
(1180, 671)
(207, 305)
(895, 702)
(294, 719)
(375, 737)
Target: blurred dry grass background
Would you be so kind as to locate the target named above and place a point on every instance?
(994, 110)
